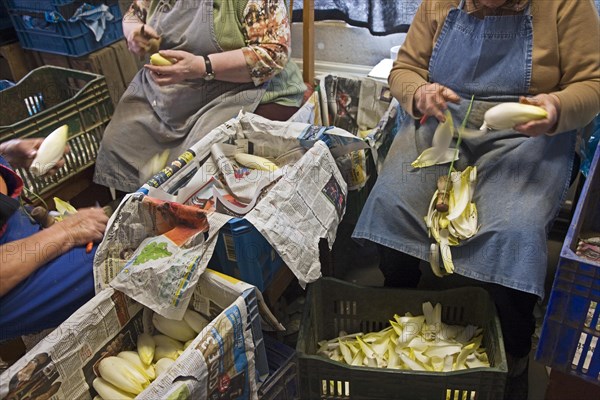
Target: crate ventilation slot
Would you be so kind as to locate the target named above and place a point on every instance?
(587, 345)
(454, 314)
(457, 394)
(332, 389)
(341, 309)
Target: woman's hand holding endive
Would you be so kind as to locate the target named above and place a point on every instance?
(186, 66)
(548, 102)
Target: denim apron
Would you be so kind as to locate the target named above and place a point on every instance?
(521, 181)
(151, 118)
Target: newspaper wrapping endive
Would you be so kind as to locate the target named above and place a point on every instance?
(293, 207)
(219, 364)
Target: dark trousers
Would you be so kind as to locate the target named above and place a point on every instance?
(515, 308)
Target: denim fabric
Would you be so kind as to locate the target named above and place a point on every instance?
(483, 57)
(521, 180)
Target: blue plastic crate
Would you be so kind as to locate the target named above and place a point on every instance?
(242, 252)
(4, 18)
(38, 5)
(4, 84)
(571, 328)
(65, 38)
(7, 32)
(260, 351)
(282, 383)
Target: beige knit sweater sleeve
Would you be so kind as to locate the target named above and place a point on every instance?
(565, 60)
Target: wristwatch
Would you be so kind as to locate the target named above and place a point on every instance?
(209, 75)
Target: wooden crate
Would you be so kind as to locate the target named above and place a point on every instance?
(15, 62)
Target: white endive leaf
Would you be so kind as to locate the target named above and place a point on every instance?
(346, 353)
(369, 353)
(442, 137)
(445, 250)
(442, 351)
(467, 334)
(423, 360)
(448, 363)
(413, 365)
(437, 363)
(434, 260)
(434, 156)
(462, 357)
(393, 359)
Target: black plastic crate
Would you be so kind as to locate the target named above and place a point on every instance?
(282, 383)
(48, 98)
(571, 329)
(333, 305)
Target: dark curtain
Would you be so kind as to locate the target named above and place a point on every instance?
(381, 17)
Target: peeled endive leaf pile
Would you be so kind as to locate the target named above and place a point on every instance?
(458, 223)
(452, 215)
(415, 343)
(130, 372)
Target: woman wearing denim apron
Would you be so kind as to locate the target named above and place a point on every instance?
(496, 51)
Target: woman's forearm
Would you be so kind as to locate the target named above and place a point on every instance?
(21, 258)
(229, 66)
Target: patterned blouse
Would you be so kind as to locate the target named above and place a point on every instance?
(265, 27)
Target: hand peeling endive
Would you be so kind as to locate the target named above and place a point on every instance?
(440, 151)
(417, 343)
(458, 223)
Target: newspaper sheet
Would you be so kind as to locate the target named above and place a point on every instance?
(356, 104)
(219, 364)
(309, 201)
(154, 251)
(305, 196)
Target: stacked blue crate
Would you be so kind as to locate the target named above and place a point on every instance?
(43, 25)
(571, 329)
(7, 32)
(241, 251)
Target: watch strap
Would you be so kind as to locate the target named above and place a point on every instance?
(209, 72)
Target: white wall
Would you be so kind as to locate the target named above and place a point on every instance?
(338, 42)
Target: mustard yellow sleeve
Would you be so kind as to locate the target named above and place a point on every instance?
(410, 70)
(578, 23)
